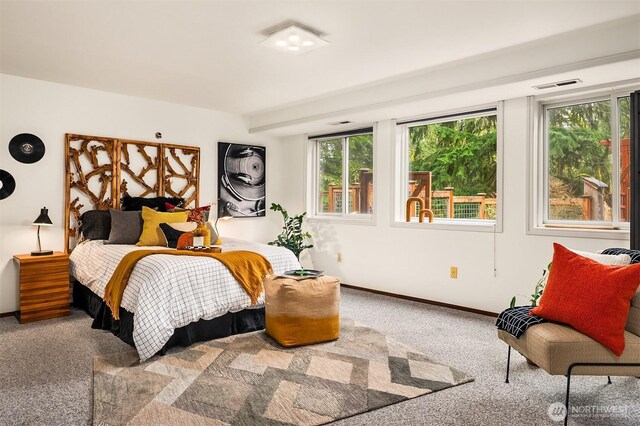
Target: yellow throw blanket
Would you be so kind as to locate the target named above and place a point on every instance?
(247, 267)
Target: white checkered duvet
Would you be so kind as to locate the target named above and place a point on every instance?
(167, 292)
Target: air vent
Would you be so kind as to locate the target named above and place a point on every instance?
(558, 84)
(339, 123)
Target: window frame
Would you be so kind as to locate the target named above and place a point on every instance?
(313, 176)
(538, 164)
(401, 171)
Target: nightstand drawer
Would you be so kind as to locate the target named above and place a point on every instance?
(35, 279)
(50, 312)
(33, 303)
(45, 293)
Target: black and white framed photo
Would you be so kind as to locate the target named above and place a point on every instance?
(242, 179)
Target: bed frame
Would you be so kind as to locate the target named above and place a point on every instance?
(231, 323)
(100, 170)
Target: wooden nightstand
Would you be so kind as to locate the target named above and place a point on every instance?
(44, 286)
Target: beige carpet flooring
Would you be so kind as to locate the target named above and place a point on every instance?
(46, 371)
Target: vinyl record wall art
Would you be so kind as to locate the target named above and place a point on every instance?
(26, 148)
(242, 179)
(7, 184)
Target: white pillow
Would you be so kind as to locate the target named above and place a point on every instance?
(606, 259)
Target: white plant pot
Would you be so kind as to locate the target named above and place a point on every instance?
(198, 241)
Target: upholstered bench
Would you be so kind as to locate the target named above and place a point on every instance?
(302, 312)
(561, 350)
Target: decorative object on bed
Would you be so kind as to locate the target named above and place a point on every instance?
(292, 236)
(263, 383)
(595, 290)
(95, 225)
(302, 312)
(161, 291)
(242, 179)
(100, 170)
(201, 236)
(247, 267)
(210, 249)
(151, 233)
(26, 148)
(126, 227)
(42, 220)
(7, 184)
(200, 215)
(174, 231)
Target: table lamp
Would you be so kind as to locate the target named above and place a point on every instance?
(42, 220)
(224, 214)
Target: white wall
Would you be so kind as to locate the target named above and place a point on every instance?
(412, 262)
(50, 110)
(416, 262)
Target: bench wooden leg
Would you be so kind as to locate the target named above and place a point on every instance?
(508, 363)
(566, 401)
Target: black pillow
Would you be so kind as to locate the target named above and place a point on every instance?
(633, 254)
(157, 203)
(172, 235)
(95, 225)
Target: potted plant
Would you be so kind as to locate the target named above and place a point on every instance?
(292, 236)
(537, 291)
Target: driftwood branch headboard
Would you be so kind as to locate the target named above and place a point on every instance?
(100, 170)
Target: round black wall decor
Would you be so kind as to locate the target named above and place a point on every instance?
(26, 148)
(7, 184)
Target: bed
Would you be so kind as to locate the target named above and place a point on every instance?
(171, 300)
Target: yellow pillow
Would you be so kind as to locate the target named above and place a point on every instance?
(151, 233)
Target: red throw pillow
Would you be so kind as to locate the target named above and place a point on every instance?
(591, 297)
(199, 214)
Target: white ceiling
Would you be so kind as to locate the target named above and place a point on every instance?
(207, 53)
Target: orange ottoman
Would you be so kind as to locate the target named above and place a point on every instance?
(302, 312)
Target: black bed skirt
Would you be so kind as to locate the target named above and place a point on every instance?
(228, 324)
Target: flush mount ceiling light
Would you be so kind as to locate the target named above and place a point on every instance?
(295, 40)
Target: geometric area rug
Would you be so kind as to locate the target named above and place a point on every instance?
(249, 379)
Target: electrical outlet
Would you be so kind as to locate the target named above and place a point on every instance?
(339, 257)
(454, 272)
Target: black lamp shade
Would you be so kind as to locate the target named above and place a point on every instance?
(43, 219)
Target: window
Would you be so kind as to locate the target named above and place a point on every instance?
(451, 164)
(344, 177)
(586, 160)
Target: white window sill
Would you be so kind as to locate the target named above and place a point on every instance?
(356, 219)
(607, 234)
(451, 225)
